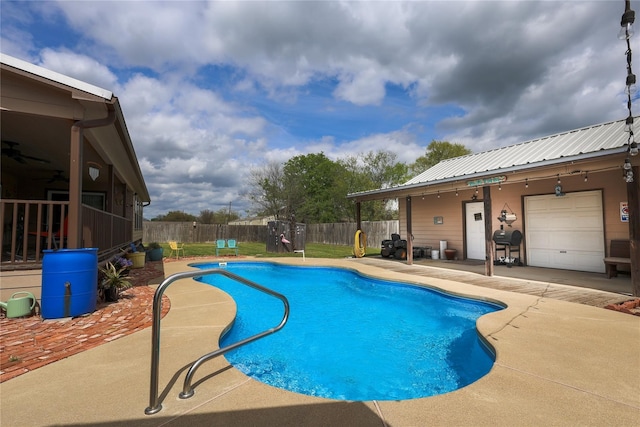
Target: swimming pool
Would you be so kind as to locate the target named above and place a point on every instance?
(353, 337)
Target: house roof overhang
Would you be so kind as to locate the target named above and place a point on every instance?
(446, 183)
(600, 142)
(32, 94)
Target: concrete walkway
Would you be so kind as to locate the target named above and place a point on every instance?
(565, 285)
(557, 363)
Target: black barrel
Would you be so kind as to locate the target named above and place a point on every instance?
(507, 237)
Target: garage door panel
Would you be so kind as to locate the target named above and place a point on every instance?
(560, 204)
(537, 205)
(537, 240)
(568, 260)
(536, 223)
(539, 258)
(588, 223)
(550, 220)
(568, 240)
(587, 201)
(565, 232)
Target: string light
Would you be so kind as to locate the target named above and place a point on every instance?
(626, 31)
(628, 172)
(627, 167)
(626, 23)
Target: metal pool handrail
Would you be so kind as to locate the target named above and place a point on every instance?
(187, 391)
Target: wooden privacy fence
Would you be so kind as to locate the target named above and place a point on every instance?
(334, 233)
(156, 231)
(342, 233)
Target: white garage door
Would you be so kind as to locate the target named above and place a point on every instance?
(565, 232)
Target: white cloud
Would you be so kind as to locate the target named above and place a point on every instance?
(363, 88)
(78, 66)
(485, 74)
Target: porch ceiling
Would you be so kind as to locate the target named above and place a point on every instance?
(37, 114)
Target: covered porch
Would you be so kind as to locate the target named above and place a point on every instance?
(70, 174)
(566, 195)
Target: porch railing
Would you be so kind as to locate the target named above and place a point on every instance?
(104, 230)
(30, 226)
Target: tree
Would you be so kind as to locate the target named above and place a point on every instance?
(314, 189)
(372, 171)
(206, 217)
(267, 189)
(221, 216)
(176, 216)
(435, 153)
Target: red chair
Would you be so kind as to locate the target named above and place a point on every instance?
(56, 236)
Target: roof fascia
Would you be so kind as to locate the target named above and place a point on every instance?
(79, 89)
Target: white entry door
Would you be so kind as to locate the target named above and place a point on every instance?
(474, 236)
(565, 232)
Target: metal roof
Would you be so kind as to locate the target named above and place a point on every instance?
(95, 103)
(55, 77)
(594, 141)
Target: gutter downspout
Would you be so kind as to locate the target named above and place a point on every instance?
(409, 232)
(74, 236)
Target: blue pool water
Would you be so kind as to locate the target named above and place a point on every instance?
(353, 337)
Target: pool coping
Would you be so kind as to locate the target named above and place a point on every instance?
(556, 363)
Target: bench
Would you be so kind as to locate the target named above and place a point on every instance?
(619, 254)
(230, 244)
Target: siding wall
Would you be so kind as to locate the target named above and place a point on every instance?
(425, 232)
(451, 208)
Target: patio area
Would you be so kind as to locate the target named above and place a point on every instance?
(558, 362)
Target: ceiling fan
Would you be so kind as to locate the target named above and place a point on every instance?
(13, 153)
(58, 176)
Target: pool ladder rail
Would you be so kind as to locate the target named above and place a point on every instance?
(187, 389)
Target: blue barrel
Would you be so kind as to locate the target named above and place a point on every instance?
(69, 282)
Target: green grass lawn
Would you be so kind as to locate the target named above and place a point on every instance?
(259, 249)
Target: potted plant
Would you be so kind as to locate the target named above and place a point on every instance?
(122, 263)
(154, 251)
(137, 258)
(113, 280)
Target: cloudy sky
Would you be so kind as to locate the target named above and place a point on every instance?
(211, 89)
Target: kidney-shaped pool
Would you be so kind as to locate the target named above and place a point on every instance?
(353, 337)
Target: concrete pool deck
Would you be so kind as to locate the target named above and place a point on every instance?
(557, 363)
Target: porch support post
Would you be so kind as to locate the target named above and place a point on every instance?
(74, 229)
(634, 230)
(358, 218)
(74, 234)
(488, 231)
(409, 233)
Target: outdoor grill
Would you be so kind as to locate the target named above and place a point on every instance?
(507, 237)
(507, 242)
